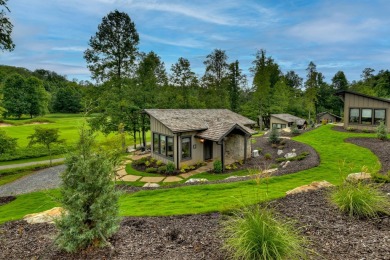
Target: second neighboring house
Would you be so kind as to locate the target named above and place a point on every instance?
(281, 121)
(190, 136)
(328, 117)
(363, 111)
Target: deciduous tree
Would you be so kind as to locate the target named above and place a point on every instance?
(6, 43)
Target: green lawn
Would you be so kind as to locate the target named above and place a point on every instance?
(219, 197)
(68, 125)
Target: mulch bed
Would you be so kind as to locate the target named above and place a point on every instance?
(332, 235)
(380, 148)
(6, 199)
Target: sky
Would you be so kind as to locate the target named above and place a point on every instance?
(335, 35)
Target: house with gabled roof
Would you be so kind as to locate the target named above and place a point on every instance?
(281, 121)
(189, 136)
(362, 111)
(328, 117)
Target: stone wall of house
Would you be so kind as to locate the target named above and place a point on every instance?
(234, 147)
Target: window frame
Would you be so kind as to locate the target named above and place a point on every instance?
(358, 117)
(190, 148)
(159, 152)
(366, 120)
(376, 122)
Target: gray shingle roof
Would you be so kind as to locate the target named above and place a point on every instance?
(213, 123)
(290, 118)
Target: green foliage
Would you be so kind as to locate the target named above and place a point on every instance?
(268, 156)
(162, 169)
(170, 167)
(151, 170)
(255, 233)
(89, 197)
(380, 178)
(294, 129)
(46, 137)
(274, 136)
(381, 131)
(217, 166)
(7, 144)
(32, 152)
(67, 99)
(159, 163)
(6, 26)
(360, 199)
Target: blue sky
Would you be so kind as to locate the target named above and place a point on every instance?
(335, 35)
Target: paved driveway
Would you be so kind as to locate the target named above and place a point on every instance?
(48, 178)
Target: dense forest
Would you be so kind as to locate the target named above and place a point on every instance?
(128, 81)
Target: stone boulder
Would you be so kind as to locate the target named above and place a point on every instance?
(358, 176)
(290, 155)
(285, 164)
(47, 216)
(280, 152)
(194, 180)
(151, 185)
(315, 185)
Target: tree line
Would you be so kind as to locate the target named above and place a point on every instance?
(128, 81)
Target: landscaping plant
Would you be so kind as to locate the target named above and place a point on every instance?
(360, 199)
(88, 197)
(217, 166)
(7, 144)
(274, 136)
(381, 131)
(255, 233)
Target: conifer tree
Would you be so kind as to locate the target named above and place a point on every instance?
(89, 198)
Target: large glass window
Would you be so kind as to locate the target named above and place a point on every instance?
(354, 114)
(366, 116)
(186, 147)
(278, 126)
(379, 115)
(163, 145)
(156, 142)
(170, 147)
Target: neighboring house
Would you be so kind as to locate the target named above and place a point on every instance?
(189, 136)
(328, 117)
(364, 112)
(281, 121)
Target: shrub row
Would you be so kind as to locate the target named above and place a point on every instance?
(32, 152)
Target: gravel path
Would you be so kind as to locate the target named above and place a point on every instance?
(44, 179)
(19, 165)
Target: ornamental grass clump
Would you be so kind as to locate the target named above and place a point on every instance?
(274, 136)
(360, 199)
(255, 233)
(381, 131)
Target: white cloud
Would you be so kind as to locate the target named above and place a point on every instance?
(189, 43)
(70, 48)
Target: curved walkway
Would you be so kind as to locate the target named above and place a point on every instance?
(43, 179)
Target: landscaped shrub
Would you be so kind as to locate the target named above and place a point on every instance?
(162, 169)
(147, 163)
(360, 199)
(255, 233)
(381, 131)
(294, 129)
(32, 152)
(7, 144)
(170, 168)
(296, 158)
(274, 136)
(217, 166)
(159, 163)
(151, 170)
(268, 156)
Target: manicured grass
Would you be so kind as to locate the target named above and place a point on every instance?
(68, 125)
(220, 197)
(4, 179)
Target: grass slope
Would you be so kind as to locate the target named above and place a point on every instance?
(219, 197)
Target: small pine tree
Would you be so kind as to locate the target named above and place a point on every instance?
(381, 131)
(89, 198)
(274, 136)
(294, 129)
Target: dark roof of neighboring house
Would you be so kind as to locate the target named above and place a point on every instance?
(214, 124)
(324, 113)
(290, 118)
(342, 93)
